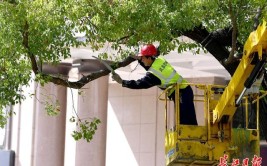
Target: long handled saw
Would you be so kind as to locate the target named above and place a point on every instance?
(107, 65)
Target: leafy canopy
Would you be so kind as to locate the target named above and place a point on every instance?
(43, 31)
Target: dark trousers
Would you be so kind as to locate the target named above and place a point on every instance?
(187, 108)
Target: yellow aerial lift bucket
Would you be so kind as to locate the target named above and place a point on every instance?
(217, 142)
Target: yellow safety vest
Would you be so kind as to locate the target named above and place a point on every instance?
(166, 73)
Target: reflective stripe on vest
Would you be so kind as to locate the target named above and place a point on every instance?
(166, 73)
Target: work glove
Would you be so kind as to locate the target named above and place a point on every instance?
(117, 78)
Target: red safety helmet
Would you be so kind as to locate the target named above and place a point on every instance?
(148, 50)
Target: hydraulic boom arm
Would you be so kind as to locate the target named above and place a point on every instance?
(251, 65)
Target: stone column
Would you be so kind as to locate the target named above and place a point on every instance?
(22, 127)
(49, 136)
(93, 103)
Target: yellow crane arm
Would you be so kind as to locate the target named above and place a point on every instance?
(255, 47)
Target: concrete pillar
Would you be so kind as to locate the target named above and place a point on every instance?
(93, 103)
(22, 128)
(49, 136)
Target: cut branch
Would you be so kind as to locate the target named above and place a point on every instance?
(90, 77)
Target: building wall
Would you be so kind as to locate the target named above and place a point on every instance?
(135, 135)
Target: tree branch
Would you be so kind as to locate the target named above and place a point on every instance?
(213, 43)
(64, 82)
(233, 17)
(257, 17)
(25, 43)
(90, 77)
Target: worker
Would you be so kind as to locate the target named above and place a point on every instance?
(160, 73)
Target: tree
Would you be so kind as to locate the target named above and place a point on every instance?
(40, 32)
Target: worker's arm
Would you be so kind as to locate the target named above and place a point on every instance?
(148, 81)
